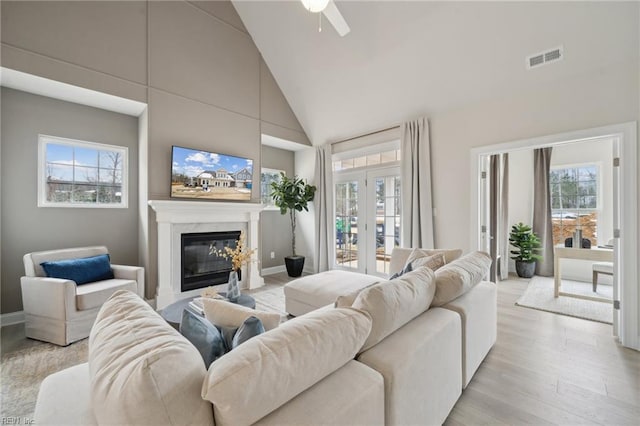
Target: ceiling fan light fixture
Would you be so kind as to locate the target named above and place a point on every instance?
(315, 6)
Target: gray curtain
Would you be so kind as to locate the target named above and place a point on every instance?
(415, 175)
(494, 208)
(542, 210)
(503, 229)
(323, 204)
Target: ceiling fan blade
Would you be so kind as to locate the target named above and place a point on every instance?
(334, 16)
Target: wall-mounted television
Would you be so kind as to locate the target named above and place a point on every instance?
(207, 175)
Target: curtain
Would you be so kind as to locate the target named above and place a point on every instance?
(494, 208)
(503, 231)
(323, 203)
(415, 175)
(542, 210)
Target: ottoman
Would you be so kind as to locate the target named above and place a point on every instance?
(309, 293)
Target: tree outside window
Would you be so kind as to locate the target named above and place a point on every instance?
(574, 202)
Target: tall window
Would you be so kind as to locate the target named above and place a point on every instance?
(266, 177)
(574, 201)
(76, 173)
(367, 208)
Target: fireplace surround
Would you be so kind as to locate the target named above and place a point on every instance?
(175, 218)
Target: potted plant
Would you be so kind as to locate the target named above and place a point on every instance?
(527, 245)
(292, 195)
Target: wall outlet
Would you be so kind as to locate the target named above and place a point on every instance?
(273, 254)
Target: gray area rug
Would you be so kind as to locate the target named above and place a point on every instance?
(21, 372)
(539, 295)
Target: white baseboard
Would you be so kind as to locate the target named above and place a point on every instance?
(273, 270)
(12, 318)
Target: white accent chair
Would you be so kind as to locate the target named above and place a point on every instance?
(58, 310)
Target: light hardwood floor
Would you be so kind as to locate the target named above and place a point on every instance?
(550, 369)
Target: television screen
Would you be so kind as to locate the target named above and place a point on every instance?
(210, 176)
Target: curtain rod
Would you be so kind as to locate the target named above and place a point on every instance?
(366, 134)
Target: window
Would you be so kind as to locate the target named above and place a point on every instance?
(266, 177)
(374, 159)
(74, 173)
(574, 201)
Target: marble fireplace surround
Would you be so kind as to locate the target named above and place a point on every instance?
(175, 218)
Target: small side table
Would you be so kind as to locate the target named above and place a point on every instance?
(173, 312)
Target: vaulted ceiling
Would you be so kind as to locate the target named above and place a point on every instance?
(405, 59)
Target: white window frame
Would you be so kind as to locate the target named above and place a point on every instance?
(269, 205)
(44, 140)
(598, 166)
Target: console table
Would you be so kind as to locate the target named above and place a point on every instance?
(594, 254)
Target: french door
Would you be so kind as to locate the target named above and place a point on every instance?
(367, 219)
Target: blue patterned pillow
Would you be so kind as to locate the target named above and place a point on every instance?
(83, 270)
(407, 268)
(203, 335)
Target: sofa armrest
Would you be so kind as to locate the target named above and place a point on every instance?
(125, 272)
(48, 297)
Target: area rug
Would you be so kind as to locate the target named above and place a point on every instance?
(21, 372)
(539, 295)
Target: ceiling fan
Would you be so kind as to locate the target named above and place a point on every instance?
(330, 11)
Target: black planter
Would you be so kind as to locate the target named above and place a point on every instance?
(525, 269)
(294, 265)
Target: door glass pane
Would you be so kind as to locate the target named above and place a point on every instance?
(346, 212)
(387, 220)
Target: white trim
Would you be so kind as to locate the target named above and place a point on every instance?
(66, 92)
(280, 143)
(11, 318)
(273, 270)
(44, 140)
(392, 145)
(629, 330)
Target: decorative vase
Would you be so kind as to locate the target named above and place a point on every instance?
(294, 265)
(233, 289)
(525, 269)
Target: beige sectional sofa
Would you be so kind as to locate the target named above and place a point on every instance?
(390, 358)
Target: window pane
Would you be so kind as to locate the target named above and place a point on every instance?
(387, 157)
(347, 164)
(86, 156)
(360, 162)
(61, 154)
(373, 159)
(587, 187)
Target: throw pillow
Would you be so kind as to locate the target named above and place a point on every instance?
(433, 262)
(83, 270)
(407, 268)
(456, 278)
(346, 300)
(203, 335)
(233, 337)
(226, 314)
(394, 303)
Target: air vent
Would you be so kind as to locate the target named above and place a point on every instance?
(539, 59)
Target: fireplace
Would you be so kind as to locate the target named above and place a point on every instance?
(200, 265)
(176, 218)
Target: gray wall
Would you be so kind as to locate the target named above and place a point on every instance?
(27, 228)
(275, 228)
(193, 63)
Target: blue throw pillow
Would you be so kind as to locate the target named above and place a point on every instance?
(82, 271)
(233, 337)
(406, 269)
(203, 335)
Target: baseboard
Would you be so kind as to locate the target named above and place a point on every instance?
(273, 270)
(11, 318)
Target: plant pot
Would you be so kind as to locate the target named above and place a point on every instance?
(525, 269)
(294, 265)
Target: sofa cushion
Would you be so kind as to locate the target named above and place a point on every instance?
(267, 371)
(93, 295)
(231, 315)
(83, 270)
(456, 278)
(418, 258)
(394, 303)
(142, 370)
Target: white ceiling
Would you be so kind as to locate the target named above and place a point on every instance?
(406, 59)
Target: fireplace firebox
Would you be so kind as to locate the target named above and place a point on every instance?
(201, 266)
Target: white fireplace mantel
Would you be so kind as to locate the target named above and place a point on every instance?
(177, 217)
